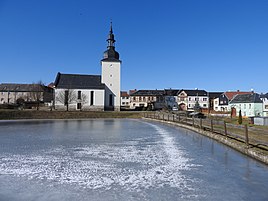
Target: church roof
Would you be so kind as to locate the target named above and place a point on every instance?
(78, 81)
(110, 54)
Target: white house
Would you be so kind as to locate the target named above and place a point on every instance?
(222, 103)
(264, 98)
(92, 92)
(250, 105)
(125, 99)
(188, 98)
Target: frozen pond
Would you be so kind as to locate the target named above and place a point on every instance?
(121, 159)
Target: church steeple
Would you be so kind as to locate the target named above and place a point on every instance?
(111, 39)
(110, 53)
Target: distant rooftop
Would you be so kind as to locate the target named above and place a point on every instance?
(246, 98)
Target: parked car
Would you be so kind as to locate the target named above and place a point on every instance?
(197, 115)
(175, 109)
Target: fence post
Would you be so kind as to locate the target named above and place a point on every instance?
(200, 123)
(225, 128)
(193, 121)
(211, 122)
(246, 135)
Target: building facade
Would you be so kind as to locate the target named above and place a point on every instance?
(146, 98)
(125, 99)
(264, 98)
(250, 105)
(222, 103)
(11, 93)
(187, 99)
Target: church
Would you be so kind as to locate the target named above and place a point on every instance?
(91, 92)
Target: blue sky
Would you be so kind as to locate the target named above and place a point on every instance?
(216, 45)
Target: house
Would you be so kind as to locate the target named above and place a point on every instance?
(125, 99)
(92, 92)
(187, 99)
(212, 97)
(264, 98)
(170, 98)
(250, 105)
(145, 98)
(221, 103)
(12, 93)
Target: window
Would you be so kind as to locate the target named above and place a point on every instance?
(249, 106)
(79, 95)
(204, 105)
(79, 106)
(266, 106)
(196, 99)
(216, 102)
(66, 97)
(189, 98)
(245, 106)
(189, 105)
(92, 98)
(205, 99)
(111, 85)
(111, 100)
(111, 75)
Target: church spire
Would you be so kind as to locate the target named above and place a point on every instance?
(111, 39)
(110, 53)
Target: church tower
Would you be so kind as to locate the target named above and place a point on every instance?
(111, 73)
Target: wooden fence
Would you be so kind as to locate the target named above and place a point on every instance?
(250, 135)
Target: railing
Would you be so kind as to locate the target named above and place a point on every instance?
(250, 135)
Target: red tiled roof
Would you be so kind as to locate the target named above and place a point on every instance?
(231, 94)
(124, 94)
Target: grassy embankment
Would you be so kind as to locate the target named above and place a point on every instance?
(34, 114)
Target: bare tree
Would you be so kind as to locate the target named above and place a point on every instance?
(66, 97)
(37, 93)
(83, 100)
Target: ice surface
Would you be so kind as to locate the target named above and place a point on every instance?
(132, 165)
(121, 160)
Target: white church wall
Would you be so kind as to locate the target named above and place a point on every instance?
(85, 100)
(111, 77)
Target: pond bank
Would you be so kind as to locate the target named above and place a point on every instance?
(34, 114)
(253, 152)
